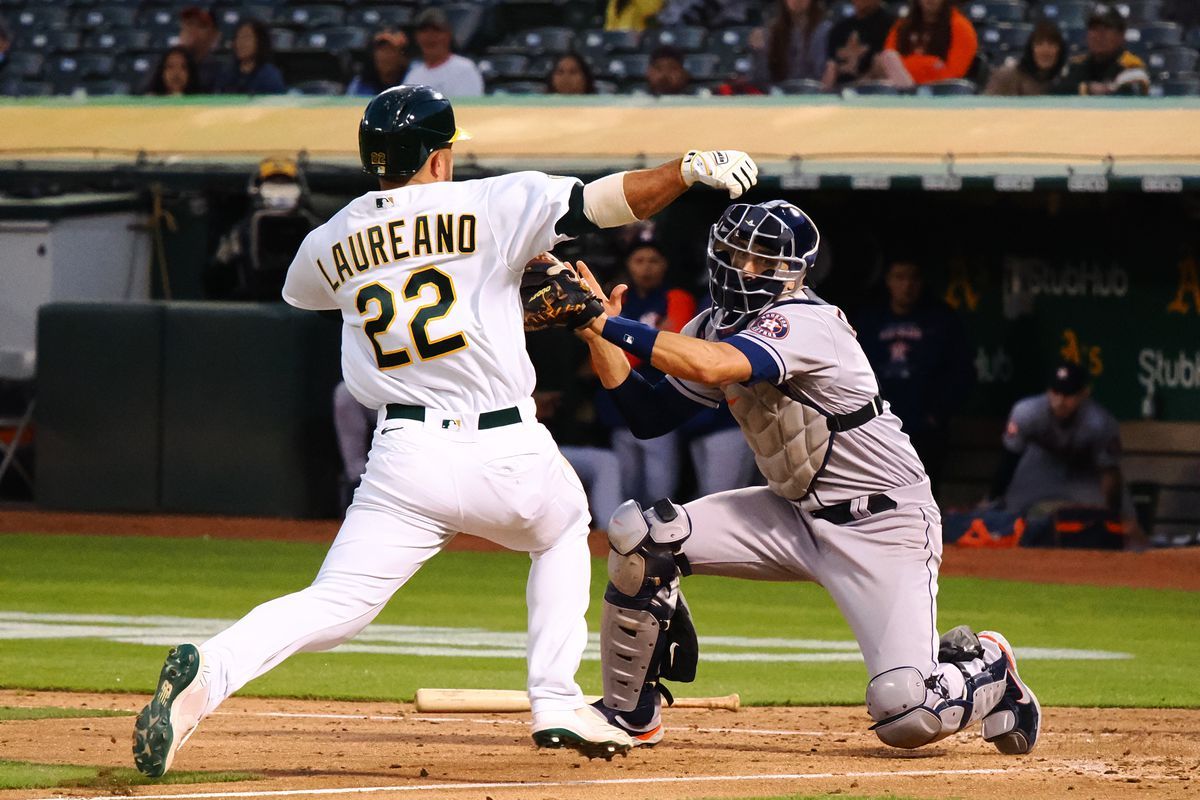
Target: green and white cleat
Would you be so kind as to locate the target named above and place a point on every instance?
(583, 730)
(172, 716)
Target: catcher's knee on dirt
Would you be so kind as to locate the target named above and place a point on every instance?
(911, 710)
(646, 631)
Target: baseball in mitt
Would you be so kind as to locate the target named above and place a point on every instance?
(552, 295)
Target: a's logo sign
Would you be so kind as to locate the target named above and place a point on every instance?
(771, 324)
(378, 159)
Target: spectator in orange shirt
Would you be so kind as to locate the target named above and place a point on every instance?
(935, 42)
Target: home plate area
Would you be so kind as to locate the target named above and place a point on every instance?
(386, 750)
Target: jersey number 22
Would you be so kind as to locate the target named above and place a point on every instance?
(386, 301)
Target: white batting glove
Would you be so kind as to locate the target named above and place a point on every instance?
(732, 170)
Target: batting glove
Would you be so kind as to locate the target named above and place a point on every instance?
(732, 170)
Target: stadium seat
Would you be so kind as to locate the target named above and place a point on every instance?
(874, 88)
(1076, 38)
(33, 89)
(731, 40)
(163, 40)
(318, 88)
(136, 69)
(105, 17)
(1152, 35)
(540, 67)
(739, 65)
(26, 66)
(334, 40)
(948, 88)
(311, 17)
(105, 87)
(1139, 11)
(519, 87)
(798, 86)
(1176, 87)
(1006, 37)
(1172, 61)
(159, 20)
(687, 39)
(993, 11)
(606, 87)
(229, 18)
(506, 67)
(703, 66)
(1192, 38)
(121, 41)
(375, 18)
(839, 11)
(1067, 13)
(631, 66)
(543, 41)
(601, 42)
(51, 41)
(466, 19)
(40, 18)
(282, 40)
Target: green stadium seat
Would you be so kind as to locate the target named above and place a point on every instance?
(105, 17)
(1139, 11)
(51, 41)
(25, 66)
(993, 11)
(335, 40)
(311, 17)
(631, 66)
(229, 18)
(34, 19)
(546, 41)
(875, 88)
(121, 41)
(504, 67)
(1072, 13)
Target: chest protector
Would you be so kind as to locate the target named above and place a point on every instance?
(790, 440)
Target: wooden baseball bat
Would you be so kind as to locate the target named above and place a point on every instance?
(509, 700)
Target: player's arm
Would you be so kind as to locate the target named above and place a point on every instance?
(626, 197)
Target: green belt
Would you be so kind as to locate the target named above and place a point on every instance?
(488, 419)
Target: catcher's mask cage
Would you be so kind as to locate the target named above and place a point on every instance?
(776, 232)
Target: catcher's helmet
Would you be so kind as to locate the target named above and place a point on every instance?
(401, 126)
(777, 232)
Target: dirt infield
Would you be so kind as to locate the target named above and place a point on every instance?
(1155, 569)
(386, 750)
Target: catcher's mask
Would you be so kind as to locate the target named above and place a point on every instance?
(755, 254)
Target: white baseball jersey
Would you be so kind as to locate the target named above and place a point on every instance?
(807, 349)
(426, 277)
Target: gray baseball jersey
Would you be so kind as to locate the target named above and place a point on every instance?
(807, 349)
(1060, 461)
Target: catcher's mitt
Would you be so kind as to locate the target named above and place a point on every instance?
(552, 295)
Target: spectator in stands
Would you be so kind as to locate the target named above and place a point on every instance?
(935, 42)
(665, 73)
(854, 42)
(387, 67)
(175, 74)
(1040, 64)
(651, 466)
(1107, 67)
(199, 35)
(451, 74)
(1062, 448)
(711, 14)
(5, 44)
(792, 46)
(570, 75)
(918, 349)
(252, 71)
(630, 15)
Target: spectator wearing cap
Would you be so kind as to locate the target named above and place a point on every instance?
(1107, 67)
(919, 351)
(665, 74)
(630, 15)
(252, 71)
(199, 35)
(387, 67)
(570, 75)
(175, 74)
(792, 46)
(5, 44)
(452, 75)
(1040, 65)
(854, 42)
(935, 42)
(1062, 448)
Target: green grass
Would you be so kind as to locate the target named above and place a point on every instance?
(114, 780)
(54, 712)
(224, 579)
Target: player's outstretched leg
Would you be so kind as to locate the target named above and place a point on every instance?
(171, 717)
(584, 730)
(1014, 723)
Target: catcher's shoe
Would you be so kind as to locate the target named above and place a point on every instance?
(1014, 723)
(172, 716)
(583, 729)
(644, 723)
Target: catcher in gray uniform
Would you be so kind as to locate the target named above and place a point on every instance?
(847, 505)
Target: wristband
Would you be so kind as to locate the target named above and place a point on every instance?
(631, 336)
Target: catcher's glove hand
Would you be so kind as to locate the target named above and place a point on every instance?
(731, 170)
(553, 296)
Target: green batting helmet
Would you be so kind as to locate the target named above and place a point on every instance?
(401, 127)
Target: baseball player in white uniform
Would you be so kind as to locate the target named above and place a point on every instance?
(425, 273)
(847, 504)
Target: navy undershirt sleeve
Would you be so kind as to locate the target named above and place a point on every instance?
(652, 410)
